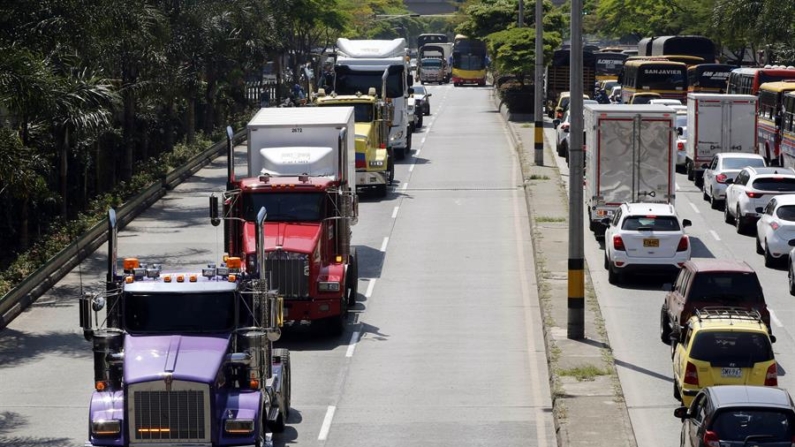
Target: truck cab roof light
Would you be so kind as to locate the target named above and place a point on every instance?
(139, 272)
(234, 262)
(129, 279)
(180, 278)
(130, 264)
(166, 278)
(209, 272)
(232, 278)
(264, 177)
(153, 271)
(193, 277)
(222, 271)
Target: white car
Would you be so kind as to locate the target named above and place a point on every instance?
(752, 189)
(775, 228)
(562, 131)
(645, 237)
(725, 166)
(666, 102)
(681, 140)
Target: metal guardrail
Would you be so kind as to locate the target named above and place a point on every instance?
(46, 276)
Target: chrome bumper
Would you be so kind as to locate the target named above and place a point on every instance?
(371, 178)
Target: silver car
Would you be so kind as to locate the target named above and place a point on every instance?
(722, 167)
(681, 140)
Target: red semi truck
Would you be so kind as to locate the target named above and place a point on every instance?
(301, 168)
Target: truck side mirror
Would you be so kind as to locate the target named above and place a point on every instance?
(680, 131)
(214, 210)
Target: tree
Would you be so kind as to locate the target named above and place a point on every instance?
(642, 18)
(513, 50)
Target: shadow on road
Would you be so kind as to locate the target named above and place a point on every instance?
(17, 348)
(642, 370)
(9, 421)
(698, 249)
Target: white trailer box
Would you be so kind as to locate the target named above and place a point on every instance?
(303, 140)
(718, 123)
(631, 157)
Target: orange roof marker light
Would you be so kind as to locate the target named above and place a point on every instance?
(130, 264)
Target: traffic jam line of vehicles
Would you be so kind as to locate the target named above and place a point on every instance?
(739, 151)
(187, 358)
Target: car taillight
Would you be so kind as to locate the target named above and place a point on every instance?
(753, 195)
(618, 243)
(683, 243)
(680, 146)
(691, 375)
(771, 377)
(721, 178)
(774, 226)
(711, 439)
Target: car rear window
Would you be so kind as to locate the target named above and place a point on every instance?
(738, 424)
(739, 163)
(721, 348)
(726, 288)
(774, 184)
(786, 212)
(655, 223)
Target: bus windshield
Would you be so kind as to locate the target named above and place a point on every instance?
(660, 77)
(468, 61)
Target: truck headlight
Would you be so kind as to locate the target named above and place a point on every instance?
(239, 426)
(376, 163)
(328, 287)
(106, 428)
(397, 136)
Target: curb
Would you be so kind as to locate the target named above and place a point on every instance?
(569, 402)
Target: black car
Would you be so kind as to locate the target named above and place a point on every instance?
(738, 415)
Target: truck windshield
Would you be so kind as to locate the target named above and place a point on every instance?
(179, 312)
(363, 113)
(349, 82)
(432, 63)
(284, 207)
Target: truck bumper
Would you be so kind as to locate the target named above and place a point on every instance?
(364, 179)
(311, 309)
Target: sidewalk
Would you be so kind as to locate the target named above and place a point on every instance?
(587, 398)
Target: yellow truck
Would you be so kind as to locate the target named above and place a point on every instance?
(375, 166)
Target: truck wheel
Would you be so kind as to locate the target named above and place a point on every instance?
(690, 173)
(419, 123)
(400, 153)
(336, 325)
(380, 190)
(390, 168)
(352, 279)
(278, 425)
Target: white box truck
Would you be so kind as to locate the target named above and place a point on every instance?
(717, 123)
(303, 140)
(631, 157)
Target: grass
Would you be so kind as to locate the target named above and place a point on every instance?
(548, 219)
(538, 177)
(526, 125)
(584, 372)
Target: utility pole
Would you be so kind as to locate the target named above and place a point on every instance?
(576, 295)
(538, 114)
(520, 22)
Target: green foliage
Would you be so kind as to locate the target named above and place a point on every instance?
(641, 18)
(513, 50)
(519, 98)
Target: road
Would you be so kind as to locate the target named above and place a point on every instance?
(632, 313)
(444, 346)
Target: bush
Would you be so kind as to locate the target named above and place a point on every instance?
(517, 97)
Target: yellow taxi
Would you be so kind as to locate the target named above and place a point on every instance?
(723, 346)
(563, 104)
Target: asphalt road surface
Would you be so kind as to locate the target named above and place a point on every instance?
(443, 348)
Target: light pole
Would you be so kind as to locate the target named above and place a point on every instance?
(538, 117)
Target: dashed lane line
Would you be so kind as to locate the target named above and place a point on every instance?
(352, 344)
(695, 208)
(714, 235)
(370, 285)
(384, 244)
(774, 318)
(394, 212)
(324, 429)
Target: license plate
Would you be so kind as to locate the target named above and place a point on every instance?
(651, 243)
(731, 372)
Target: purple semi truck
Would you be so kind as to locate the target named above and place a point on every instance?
(185, 359)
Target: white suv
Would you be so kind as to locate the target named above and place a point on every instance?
(646, 237)
(752, 189)
(775, 228)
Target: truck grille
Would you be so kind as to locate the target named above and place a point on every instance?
(289, 273)
(178, 414)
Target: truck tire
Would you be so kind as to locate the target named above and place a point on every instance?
(419, 123)
(689, 168)
(287, 390)
(380, 190)
(335, 326)
(400, 153)
(390, 168)
(352, 278)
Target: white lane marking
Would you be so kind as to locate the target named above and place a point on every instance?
(417, 153)
(677, 186)
(352, 344)
(405, 186)
(775, 319)
(422, 141)
(411, 168)
(714, 234)
(692, 205)
(383, 244)
(326, 423)
(394, 212)
(370, 287)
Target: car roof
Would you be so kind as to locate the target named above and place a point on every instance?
(738, 155)
(718, 265)
(747, 395)
(784, 199)
(771, 171)
(659, 209)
